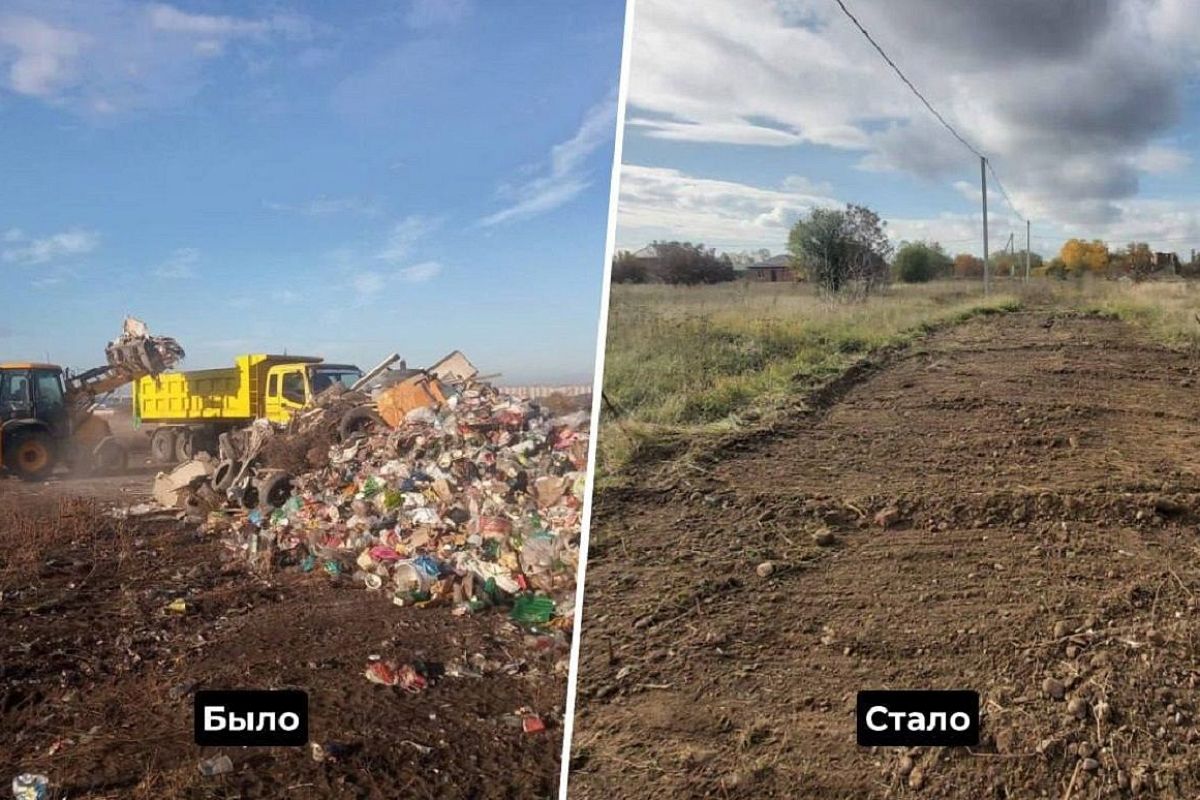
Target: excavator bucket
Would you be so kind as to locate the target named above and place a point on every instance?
(137, 352)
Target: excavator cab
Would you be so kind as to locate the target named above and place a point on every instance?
(46, 414)
(35, 421)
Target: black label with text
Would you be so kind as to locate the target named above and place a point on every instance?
(918, 718)
(251, 718)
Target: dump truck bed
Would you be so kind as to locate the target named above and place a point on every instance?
(231, 394)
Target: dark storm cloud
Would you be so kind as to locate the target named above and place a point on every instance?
(988, 30)
(1072, 100)
(1115, 98)
(1062, 96)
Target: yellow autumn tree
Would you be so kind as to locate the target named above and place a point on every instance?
(1079, 256)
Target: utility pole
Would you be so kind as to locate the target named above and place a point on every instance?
(983, 181)
(1027, 251)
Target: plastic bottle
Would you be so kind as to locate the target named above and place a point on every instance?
(30, 786)
(530, 609)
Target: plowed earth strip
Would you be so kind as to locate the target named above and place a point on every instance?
(1039, 478)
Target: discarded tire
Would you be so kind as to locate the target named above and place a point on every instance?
(249, 496)
(274, 489)
(358, 419)
(223, 475)
(162, 446)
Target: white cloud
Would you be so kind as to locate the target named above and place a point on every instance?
(41, 56)
(404, 235)
(367, 284)
(1158, 159)
(1069, 99)
(325, 206)
(167, 18)
(419, 273)
(566, 174)
(209, 47)
(13, 235)
(739, 132)
(372, 272)
(668, 204)
(67, 244)
(180, 265)
(110, 56)
(433, 13)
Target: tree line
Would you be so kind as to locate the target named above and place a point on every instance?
(673, 262)
(847, 253)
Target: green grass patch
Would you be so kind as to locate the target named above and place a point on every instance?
(683, 361)
(1166, 310)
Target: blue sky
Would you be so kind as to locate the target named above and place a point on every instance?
(413, 176)
(745, 114)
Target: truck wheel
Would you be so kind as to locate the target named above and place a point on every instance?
(162, 446)
(30, 454)
(185, 445)
(358, 419)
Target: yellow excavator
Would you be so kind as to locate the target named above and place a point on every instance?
(46, 412)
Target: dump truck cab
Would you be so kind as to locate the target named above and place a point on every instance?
(293, 387)
(35, 420)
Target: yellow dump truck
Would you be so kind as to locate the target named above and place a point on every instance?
(191, 409)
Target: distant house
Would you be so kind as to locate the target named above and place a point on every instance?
(775, 269)
(649, 257)
(1167, 263)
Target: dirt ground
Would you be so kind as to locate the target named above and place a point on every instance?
(1014, 507)
(96, 673)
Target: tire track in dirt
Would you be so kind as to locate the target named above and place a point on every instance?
(1044, 477)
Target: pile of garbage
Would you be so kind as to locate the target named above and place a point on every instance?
(442, 490)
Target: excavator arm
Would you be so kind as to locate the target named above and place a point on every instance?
(132, 356)
(32, 446)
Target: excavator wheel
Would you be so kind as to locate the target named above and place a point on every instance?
(30, 454)
(162, 445)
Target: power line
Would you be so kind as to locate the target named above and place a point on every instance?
(907, 82)
(1000, 186)
(929, 105)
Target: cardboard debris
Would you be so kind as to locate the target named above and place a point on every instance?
(454, 368)
(172, 488)
(415, 391)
